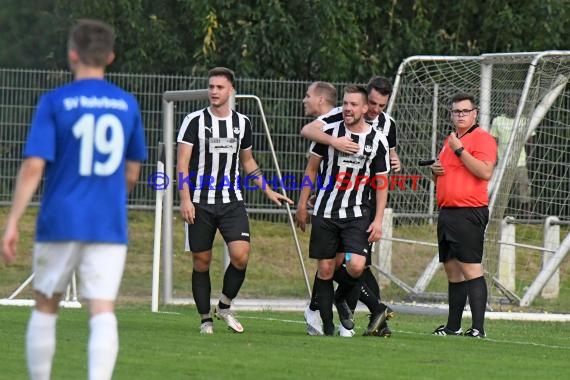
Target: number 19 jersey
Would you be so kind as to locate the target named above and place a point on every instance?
(85, 131)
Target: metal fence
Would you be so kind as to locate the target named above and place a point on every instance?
(282, 101)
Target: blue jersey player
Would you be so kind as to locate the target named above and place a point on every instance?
(88, 140)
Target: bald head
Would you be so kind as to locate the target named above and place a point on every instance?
(319, 99)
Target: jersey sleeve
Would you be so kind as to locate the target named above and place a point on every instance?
(41, 141)
(486, 148)
(247, 140)
(188, 133)
(318, 149)
(136, 148)
(392, 135)
(331, 117)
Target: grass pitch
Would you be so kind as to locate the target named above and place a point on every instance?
(168, 345)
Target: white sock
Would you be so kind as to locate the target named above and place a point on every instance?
(103, 346)
(40, 344)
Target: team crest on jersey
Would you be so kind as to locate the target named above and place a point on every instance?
(236, 131)
(368, 148)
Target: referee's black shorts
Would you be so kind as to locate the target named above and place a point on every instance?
(230, 218)
(327, 235)
(461, 233)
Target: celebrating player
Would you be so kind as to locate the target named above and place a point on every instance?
(211, 143)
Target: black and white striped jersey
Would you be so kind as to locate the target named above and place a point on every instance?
(214, 164)
(383, 122)
(332, 116)
(343, 182)
(388, 126)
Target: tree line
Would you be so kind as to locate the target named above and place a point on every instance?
(334, 40)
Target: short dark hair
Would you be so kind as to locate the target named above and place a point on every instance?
(224, 72)
(380, 84)
(93, 41)
(460, 96)
(326, 90)
(356, 89)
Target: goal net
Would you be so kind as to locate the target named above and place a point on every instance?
(524, 99)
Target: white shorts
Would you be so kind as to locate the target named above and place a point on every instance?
(99, 267)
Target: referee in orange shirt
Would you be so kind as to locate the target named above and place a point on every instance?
(462, 172)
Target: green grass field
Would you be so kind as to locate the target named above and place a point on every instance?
(274, 270)
(274, 346)
(167, 345)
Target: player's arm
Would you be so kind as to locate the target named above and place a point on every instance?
(392, 137)
(133, 169)
(394, 160)
(380, 167)
(302, 215)
(381, 187)
(251, 169)
(479, 168)
(313, 131)
(183, 155)
(27, 183)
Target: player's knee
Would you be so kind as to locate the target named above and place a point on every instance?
(201, 260)
(240, 263)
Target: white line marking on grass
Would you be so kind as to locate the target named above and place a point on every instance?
(273, 319)
(490, 340)
(418, 333)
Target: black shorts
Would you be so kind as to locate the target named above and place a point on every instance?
(327, 235)
(461, 233)
(340, 248)
(229, 218)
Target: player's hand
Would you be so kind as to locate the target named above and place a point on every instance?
(437, 169)
(277, 198)
(345, 145)
(395, 164)
(10, 243)
(188, 211)
(375, 232)
(302, 217)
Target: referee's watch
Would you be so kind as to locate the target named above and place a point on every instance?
(458, 151)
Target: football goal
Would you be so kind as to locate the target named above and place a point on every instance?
(527, 237)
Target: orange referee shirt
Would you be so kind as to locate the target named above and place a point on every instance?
(459, 187)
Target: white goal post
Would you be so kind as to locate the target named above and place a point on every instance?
(165, 199)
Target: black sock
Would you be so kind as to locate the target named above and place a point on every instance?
(233, 280)
(457, 297)
(201, 288)
(209, 319)
(325, 292)
(352, 298)
(370, 299)
(314, 304)
(477, 290)
(357, 294)
(345, 283)
(371, 282)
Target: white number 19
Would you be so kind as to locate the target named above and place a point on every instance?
(94, 137)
